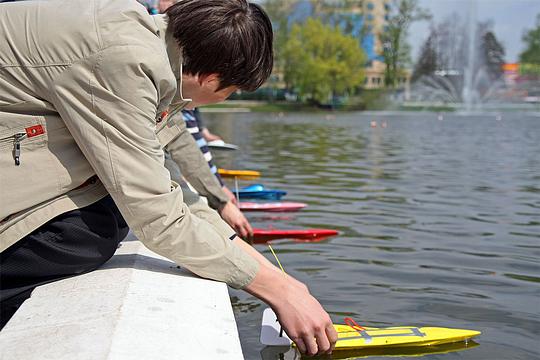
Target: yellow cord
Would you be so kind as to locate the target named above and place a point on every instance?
(279, 263)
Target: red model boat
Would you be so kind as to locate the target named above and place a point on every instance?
(272, 206)
(309, 235)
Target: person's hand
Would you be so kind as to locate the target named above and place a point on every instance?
(230, 195)
(234, 217)
(305, 321)
(208, 136)
(300, 314)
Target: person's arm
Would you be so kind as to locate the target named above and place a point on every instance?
(230, 195)
(186, 154)
(194, 167)
(300, 314)
(209, 136)
(109, 103)
(234, 217)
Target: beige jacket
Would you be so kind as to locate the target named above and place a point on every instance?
(85, 86)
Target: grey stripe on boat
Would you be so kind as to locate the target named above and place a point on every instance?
(368, 337)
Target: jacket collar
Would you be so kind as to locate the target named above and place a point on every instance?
(175, 59)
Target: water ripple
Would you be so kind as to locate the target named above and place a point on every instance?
(439, 220)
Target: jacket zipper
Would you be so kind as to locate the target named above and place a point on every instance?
(29, 132)
(16, 145)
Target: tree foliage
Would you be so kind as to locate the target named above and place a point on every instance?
(279, 12)
(531, 55)
(321, 61)
(428, 61)
(396, 50)
(493, 54)
(446, 50)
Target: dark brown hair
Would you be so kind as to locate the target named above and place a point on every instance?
(232, 38)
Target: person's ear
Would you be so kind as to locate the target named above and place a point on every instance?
(211, 80)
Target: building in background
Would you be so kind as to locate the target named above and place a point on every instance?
(375, 15)
(366, 20)
(523, 82)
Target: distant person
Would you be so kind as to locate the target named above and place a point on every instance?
(86, 89)
(205, 132)
(196, 129)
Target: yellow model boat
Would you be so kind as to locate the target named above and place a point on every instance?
(354, 337)
(241, 174)
(390, 341)
(280, 352)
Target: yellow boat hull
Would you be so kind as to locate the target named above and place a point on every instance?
(402, 336)
(401, 352)
(241, 174)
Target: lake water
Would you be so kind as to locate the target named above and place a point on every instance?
(439, 220)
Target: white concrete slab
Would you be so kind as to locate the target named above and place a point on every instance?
(138, 306)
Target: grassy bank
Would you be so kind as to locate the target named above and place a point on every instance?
(366, 100)
(277, 107)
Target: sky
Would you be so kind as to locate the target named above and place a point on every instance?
(511, 18)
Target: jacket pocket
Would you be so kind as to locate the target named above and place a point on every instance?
(19, 138)
(27, 177)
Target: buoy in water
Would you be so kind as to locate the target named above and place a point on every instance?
(373, 124)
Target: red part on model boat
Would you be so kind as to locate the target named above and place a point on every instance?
(272, 206)
(308, 235)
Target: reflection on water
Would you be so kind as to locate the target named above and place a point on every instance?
(439, 220)
(289, 353)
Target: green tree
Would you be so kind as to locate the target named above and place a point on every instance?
(446, 49)
(343, 13)
(427, 61)
(396, 50)
(279, 12)
(322, 62)
(531, 55)
(493, 52)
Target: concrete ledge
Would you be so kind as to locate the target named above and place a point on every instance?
(138, 306)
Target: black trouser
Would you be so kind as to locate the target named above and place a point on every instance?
(70, 244)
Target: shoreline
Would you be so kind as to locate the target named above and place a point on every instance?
(256, 106)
